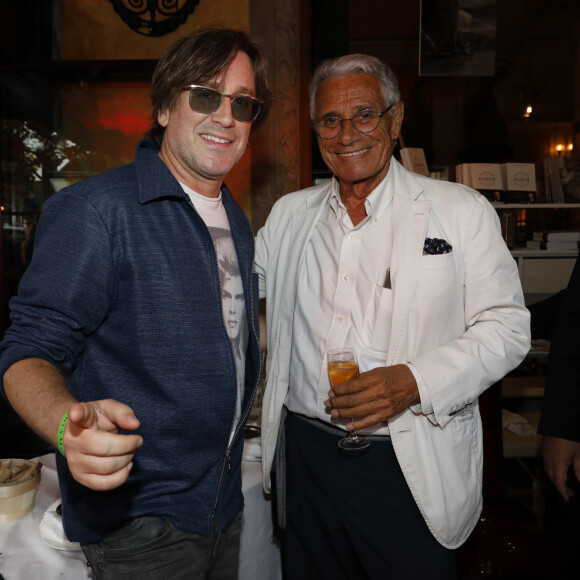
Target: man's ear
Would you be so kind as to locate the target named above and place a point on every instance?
(397, 120)
(163, 117)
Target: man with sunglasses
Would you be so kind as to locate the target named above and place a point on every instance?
(414, 274)
(119, 352)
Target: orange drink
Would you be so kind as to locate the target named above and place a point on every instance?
(342, 367)
(342, 371)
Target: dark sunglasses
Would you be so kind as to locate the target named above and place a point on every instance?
(208, 101)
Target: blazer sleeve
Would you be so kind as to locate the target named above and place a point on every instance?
(493, 334)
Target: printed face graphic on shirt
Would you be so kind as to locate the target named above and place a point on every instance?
(233, 304)
(231, 284)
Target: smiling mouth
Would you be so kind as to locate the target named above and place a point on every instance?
(214, 139)
(354, 153)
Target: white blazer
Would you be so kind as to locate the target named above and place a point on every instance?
(459, 318)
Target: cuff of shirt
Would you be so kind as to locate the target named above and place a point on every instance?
(425, 406)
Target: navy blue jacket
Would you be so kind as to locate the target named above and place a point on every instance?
(123, 296)
(561, 405)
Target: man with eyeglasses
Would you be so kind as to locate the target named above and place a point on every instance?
(412, 273)
(120, 353)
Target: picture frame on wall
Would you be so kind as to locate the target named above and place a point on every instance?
(457, 37)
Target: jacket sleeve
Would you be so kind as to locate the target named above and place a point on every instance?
(66, 291)
(266, 242)
(561, 405)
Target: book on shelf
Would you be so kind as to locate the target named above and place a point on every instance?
(556, 236)
(559, 181)
(543, 193)
(546, 180)
(552, 245)
(556, 180)
(519, 182)
(485, 177)
(570, 177)
(413, 159)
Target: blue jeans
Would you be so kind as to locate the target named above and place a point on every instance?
(149, 548)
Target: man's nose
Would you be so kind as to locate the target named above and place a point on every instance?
(223, 115)
(349, 132)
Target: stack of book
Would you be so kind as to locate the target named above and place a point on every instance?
(554, 240)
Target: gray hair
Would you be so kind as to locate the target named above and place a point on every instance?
(351, 64)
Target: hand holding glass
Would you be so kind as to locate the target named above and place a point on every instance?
(342, 367)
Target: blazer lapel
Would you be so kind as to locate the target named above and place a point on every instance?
(410, 224)
(303, 223)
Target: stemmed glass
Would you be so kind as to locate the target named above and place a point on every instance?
(342, 367)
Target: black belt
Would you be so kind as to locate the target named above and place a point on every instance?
(332, 430)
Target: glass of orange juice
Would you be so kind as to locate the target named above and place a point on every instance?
(342, 367)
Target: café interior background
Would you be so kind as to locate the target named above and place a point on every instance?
(75, 80)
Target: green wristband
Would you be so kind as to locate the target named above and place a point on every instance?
(61, 428)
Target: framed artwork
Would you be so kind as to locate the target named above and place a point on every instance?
(457, 37)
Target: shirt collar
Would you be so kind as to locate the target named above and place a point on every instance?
(375, 204)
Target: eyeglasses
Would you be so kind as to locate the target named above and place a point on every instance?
(208, 101)
(365, 121)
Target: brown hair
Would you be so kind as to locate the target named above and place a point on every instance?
(198, 58)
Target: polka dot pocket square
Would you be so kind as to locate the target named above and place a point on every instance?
(434, 246)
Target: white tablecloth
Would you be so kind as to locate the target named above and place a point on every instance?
(24, 556)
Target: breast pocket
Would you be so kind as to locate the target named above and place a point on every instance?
(436, 302)
(436, 276)
(378, 317)
(437, 261)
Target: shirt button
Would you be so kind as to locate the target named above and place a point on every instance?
(375, 220)
(346, 276)
(340, 319)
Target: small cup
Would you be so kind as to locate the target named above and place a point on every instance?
(17, 498)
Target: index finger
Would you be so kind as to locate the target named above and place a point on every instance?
(103, 414)
(84, 415)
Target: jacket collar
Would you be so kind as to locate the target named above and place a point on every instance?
(405, 182)
(154, 180)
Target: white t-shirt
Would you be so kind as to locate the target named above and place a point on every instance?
(213, 213)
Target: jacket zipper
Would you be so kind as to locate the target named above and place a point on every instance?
(227, 458)
(227, 466)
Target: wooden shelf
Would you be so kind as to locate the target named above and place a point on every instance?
(523, 387)
(500, 205)
(527, 253)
